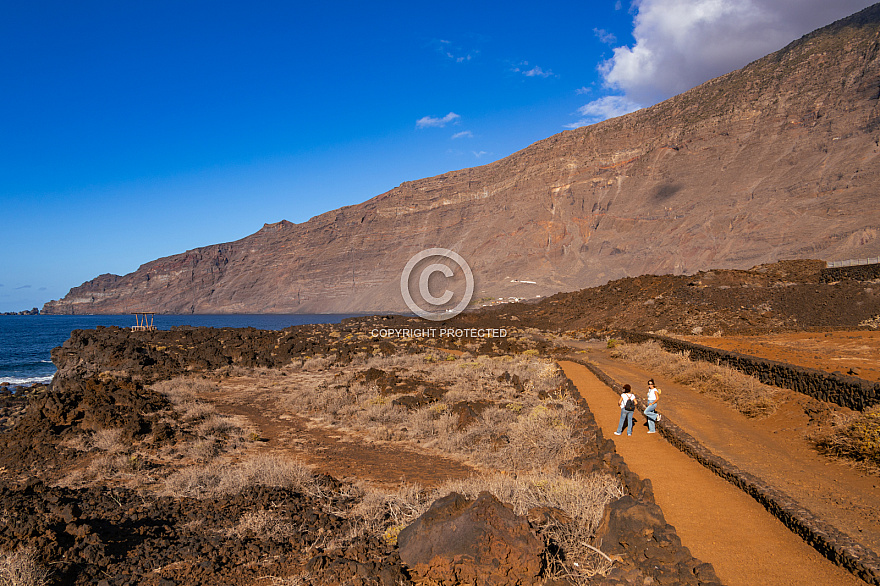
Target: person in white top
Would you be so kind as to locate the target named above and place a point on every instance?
(651, 409)
(627, 405)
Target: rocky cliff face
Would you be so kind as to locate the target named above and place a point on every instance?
(776, 160)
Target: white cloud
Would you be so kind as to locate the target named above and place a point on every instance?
(535, 71)
(479, 154)
(432, 122)
(682, 43)
(463, 134)
(582, 90)
(604, 108)
(604, 36)
(456, 53)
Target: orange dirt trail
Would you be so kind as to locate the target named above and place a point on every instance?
(718, 522)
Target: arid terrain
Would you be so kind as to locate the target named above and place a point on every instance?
(235, 456)
(312, 456)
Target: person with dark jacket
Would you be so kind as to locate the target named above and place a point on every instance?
(627, 404)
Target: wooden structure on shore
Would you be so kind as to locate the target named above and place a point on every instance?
(143, 321)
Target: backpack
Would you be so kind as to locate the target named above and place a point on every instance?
(630, 405)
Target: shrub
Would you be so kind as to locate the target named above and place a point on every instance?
(196, 410)
(234, 427)
(21, 568)
(263, 524)
(386, 512)
(855, 436)
(318, 363)
(108, 440)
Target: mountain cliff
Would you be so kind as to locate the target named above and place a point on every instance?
(776, 160)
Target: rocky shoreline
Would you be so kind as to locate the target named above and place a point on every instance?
(107, 533)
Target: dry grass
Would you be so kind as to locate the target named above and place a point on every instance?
(201, 436)
(583, 499)
(108, 440)
(264, 524)
(21, 568)
(196, 410)
(182, 389)
(853, 436)
(385, 512)
(225, 477)
(742, 392)
(522, 430)
(230, 427)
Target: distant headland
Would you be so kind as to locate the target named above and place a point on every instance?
(34, 311)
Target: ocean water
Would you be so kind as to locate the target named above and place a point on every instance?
(26, 341)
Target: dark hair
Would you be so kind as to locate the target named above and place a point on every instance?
(627, 388)
(650, 381)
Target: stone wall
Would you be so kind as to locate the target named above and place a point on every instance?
(851, 273)
(846, 391)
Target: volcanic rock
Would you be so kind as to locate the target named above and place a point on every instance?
(467, 542)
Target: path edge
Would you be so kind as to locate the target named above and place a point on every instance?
(827, 540)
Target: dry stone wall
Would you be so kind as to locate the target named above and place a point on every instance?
(851, 273)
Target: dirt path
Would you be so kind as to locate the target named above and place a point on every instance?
(719, 523)
(340, 453)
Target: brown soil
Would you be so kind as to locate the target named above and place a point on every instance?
(718, 522)
(856, 352)
(343, 454)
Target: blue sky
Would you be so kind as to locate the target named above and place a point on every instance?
(135, 130)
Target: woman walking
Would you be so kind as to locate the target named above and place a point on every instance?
(651, 409)
(627, 405)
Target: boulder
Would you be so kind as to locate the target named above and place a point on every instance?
(628, 522)
(458, 541)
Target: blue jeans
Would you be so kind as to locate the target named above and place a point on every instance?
(625, 417)
(651, 415)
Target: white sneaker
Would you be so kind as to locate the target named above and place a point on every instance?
(616, 433)
(652, 432)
